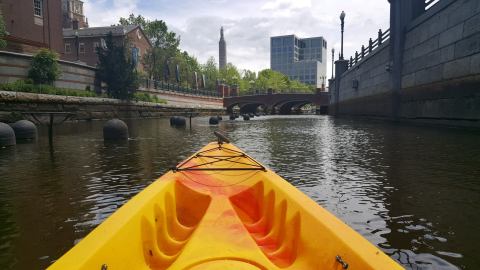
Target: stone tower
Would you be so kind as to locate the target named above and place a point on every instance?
(222, 51)
(72, 10)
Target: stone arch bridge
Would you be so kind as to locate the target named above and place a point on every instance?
(281, 103)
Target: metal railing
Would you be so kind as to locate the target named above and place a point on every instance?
(175, 88)
(372, 45)
(430, 3)
(270, 92)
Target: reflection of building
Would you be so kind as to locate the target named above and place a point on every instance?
(32, 25)
(81, 44)
(222, 51)
(72, 10)
(300, 59)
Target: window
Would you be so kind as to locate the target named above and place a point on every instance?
(68, 48)
(38, 8)
(95, 46)
(81, 48)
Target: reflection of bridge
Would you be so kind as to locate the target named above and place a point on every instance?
(277, 103)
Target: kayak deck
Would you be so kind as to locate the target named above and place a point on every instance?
(220, 209)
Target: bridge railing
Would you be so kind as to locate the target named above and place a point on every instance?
(176, 88)
(270, 92)
(430, 3)
(372, 45)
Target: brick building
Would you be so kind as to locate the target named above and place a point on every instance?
(81, 44)
(32, 25)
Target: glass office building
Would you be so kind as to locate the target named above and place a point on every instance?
(302, 59)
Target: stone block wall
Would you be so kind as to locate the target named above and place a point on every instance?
(16, 104)
(373, 82)
(441, 63)
(15, 66)
(440, 70)
(443, 44)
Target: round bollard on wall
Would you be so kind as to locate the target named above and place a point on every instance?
(25, 130)
(246, 117)
(177, 121)
(232, 117)
(213, 120)
(115, 129)
(7, 135)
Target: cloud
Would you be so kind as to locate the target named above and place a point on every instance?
(249, 24)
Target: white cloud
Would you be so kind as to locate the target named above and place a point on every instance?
(250, 23)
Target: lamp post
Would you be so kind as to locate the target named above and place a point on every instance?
(333, 59)
(77, 45)
(342, 20)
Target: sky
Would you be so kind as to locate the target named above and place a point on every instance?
(249, 24)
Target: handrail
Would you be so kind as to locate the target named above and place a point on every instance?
(372, 45)
(381, 38)
(175, 88)
(430, 3)
(267, 92)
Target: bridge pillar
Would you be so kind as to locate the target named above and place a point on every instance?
(340, 67)
(402, 12)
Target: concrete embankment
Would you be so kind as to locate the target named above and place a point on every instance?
(13, 104)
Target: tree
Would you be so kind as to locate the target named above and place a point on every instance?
(165, 45)
(117, 70)
(268, 78)
(44, 68)
(230, 74)
(211, 73)
(3, 33)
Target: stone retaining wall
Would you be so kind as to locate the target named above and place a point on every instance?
(439, 75)
(13, 104)
(15, 66)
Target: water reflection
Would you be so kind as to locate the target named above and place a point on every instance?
(412, 191)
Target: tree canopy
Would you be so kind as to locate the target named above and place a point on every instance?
(117, 70)
(161, 63)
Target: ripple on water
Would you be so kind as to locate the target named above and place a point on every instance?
(414, 192)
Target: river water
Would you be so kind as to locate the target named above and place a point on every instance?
(412, 191)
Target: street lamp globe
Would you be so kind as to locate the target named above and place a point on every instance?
(342, 15)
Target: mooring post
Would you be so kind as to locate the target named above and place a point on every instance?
(50, 129)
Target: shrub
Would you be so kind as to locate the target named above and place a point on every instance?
(26, 86)
(44, 68)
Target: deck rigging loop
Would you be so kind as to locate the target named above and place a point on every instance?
(203, 161)
(342, 262)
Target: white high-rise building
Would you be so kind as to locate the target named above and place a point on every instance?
(302, 59)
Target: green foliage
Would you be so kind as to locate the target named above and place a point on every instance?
(160, 63)
(3, 33)
(211, 73)
(148, 98)
(156, 31)
(165, 47)
(29, 87)
(230, 75)
(44, 68)
(117, 70)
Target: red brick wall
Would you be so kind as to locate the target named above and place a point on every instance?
(27, 36)
(140, 41)
(90, 56)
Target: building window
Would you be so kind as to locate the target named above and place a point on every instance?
(95, 46)
(68, 48)
(38, 8)
(81, 48)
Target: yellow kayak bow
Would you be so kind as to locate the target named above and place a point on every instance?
(221, 209)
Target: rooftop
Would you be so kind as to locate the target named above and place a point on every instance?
(119, 30)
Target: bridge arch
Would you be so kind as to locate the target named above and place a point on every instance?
(285, 107)
(273, 103)
(245, 107)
